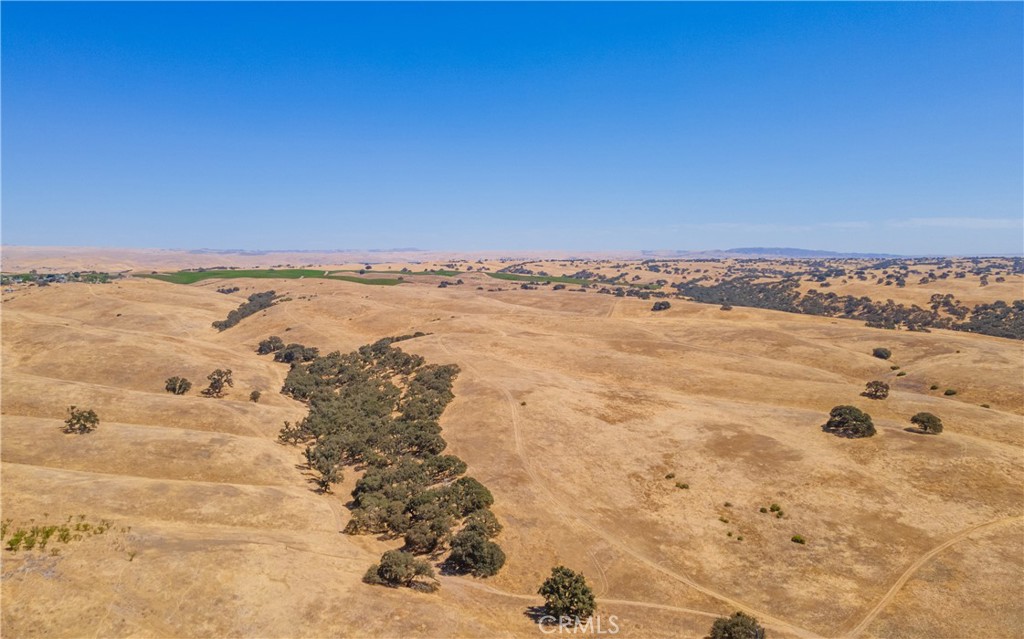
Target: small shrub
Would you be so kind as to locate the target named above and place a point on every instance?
(80, 421)
(894, 368)
(934, 387)
(763, 509)
(901, 373)
(728, 534)
(985, 406)
(882, 353)
(723, 520)
(254, 396)
(661, 306)
(728, 504)
(670, 476)
(775, 508)
(682, 485)
(798, 539)
(740, 538)
(177, 385)
(949, 392)
(779, 515)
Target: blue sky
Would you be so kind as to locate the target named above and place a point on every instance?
(853, 127)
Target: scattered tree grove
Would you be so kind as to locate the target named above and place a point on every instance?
(254, 304)
(377, 408)
(999, 318)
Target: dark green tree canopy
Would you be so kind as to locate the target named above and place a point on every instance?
(270, 345)
(876, 390)
(473, 553)
(378, 408)
(218, 380)
(882, 353)
(483, 522)
(566, 594)
(397, 568)
(927, 422)
(849, 421)
(738, 626)
(256, 303)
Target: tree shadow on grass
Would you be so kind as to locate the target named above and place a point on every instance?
(539, 615)
(917, 431)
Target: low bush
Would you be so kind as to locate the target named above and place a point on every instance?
(80, 421)
(177, 385)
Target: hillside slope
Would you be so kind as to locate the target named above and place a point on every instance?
(572, 408)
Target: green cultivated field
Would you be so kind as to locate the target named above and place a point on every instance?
(441, 272)
(191, 277)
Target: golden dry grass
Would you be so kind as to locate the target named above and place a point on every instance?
(571, 408)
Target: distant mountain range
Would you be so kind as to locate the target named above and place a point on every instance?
(798, 252)
(761, 251)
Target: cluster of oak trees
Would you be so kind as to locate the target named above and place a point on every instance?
(377, 408)
(254, 304)
(1000, 319)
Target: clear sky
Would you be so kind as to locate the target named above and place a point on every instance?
(854, 127)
